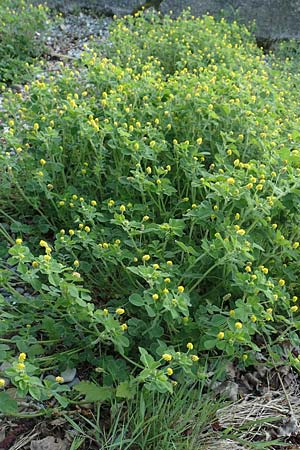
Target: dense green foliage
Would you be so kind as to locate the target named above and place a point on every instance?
(154, 198)
(20, 39)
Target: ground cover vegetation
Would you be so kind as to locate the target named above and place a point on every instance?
(21, 36)
(150, 206)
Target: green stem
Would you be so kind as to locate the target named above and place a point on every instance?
(205, 275)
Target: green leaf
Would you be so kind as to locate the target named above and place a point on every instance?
(209, 344)
(93, 392)
(63, 401)
(8, 405)
(146, 359)
(150, 311)
(125, 390)
(136, 300)
(54, 279)
(187, 249)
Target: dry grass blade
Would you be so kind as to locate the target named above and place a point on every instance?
(256, 422)
(25, 439)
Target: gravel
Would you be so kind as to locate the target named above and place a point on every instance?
(68, 38)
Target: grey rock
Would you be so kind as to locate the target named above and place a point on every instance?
(49, 443)
(20, 290)
(100, 7)
(275, 19)
(69, 375)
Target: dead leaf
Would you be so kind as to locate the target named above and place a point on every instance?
(49, 443)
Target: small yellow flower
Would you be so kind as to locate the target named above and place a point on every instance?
(170, 371)
(2, 383)
(238, 325)
(180, 289)
(253, 318)
(165, 291)
(194, 358)
(71, 232)
(111, 203)
(76, 263)
(245, 357)
(281, 282)
(20, 366)
(189, 346)
(42, 162)
(76, 274)
(230, 180)
(167, 280)
(169, 263)
(146, 257)
(145, 218)
(105, 312)
(221, 335)
(120, 311)
(232, 313)
(35, 264)
(248, 269)
(148, 170)
(274, 226)
(199, 141)
(47, 258)
(124, 326)
(87, 229)
(155, 296)
(269, 310)
(155, 266)
(295, 298)
(43, 244)
(122, 208)
(295, 244)
(22, 357)
(19, 241)
(167, 357)
(36, 126)
(265, 270)
(241, 232)
(59, 380)
(93, 203)
(294, 308)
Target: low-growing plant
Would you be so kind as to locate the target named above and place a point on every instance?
(150, 201)
(21, 37)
